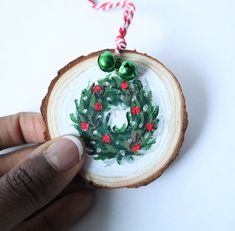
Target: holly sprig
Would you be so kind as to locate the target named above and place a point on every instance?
(92, 115)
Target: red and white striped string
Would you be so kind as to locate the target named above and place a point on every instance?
(129, 7)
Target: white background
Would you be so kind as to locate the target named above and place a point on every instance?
(195, 39)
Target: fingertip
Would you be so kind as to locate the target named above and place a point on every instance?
(21, 128)
(40, 127)
(78, 142)
(32, 126)
(65, 152)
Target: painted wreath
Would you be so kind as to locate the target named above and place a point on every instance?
(92, 118)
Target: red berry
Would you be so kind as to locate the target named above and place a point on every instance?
(97, 88)
(124, 85)
(149, 127)
(135, 110)
(106, 138)
(98, 106)
(84, 126)
(135, 148)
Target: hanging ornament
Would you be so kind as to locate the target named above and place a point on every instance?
(128, 70)
(107, 61)
(127, 107)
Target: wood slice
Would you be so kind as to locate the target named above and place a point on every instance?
(167, 93)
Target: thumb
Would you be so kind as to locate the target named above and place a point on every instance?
(35, 182)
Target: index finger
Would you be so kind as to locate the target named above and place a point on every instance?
(21, 128)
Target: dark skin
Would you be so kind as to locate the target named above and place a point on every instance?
(33, 196)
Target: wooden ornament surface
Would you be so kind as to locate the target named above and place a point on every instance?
(167, 93)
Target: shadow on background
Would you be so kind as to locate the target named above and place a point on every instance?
(191, 79)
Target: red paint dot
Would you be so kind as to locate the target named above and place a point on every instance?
(106, 138)
(135, 110)
(149, 127)
(97, 88)
(124, 85)
(98, 106)
(84, 126)
(135, 148)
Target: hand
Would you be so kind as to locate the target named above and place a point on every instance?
(31, 178)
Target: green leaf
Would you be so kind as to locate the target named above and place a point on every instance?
(129, 117)
(119, 159)
(151, 141)
(138, 84)
(73, 118)
(107, 118)
(123, 128)
(155, 112)
(129, 157)
(77, 127)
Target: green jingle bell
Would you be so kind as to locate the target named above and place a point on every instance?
(107, 61)
(128, 70)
